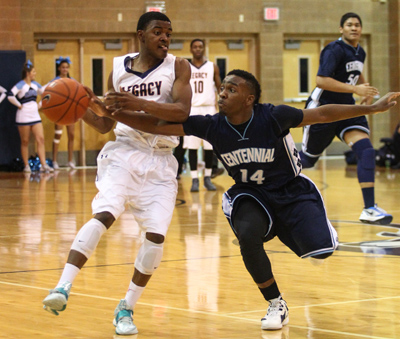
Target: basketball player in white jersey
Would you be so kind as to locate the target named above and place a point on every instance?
(137, 169)
(204, 81)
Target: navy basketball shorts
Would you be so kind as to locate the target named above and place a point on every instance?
(316, 138)
(296, 214)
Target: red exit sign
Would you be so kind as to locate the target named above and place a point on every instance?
(154, 9)
(271, 13)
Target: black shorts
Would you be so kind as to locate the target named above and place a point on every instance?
(316, 138)
(296, 214)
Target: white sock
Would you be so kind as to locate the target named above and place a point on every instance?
(133, 294)
(207, 172)
(194, 174)
(69, 274)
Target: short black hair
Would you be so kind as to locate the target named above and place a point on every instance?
(150, 16)
(251, 81)
(348, 16)
(195, 40)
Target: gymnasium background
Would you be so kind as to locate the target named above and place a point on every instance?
(283, 53)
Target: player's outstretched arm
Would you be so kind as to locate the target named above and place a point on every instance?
(147, 123)
(330, 113)
(177, 111)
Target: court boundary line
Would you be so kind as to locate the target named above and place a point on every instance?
(229, 315)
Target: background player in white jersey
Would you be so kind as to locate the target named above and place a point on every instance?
(137, 168)
(270, 196)
(205, 80)
(24, 95)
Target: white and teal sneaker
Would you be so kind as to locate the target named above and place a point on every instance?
(375, 215)
(277, 315)
(123, 320)
(57, 299)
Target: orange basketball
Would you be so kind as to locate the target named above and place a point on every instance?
(64, 101)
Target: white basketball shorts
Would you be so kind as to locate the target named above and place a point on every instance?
(140, 178)
(192, 142)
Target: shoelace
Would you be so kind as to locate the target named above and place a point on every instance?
(126, 320)
(275, 308)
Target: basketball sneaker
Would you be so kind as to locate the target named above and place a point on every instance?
(123, 320)
(195, 185)
(277, 315)
(375, 215)
(57, 299)
(208, 184)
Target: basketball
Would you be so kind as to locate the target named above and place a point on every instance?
(64, 101)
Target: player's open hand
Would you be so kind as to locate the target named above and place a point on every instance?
(365, 90)
(96, 105)
(386, 102)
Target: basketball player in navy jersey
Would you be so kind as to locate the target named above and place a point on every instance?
(339, 76)
(204, 81)
(270, 196)
(137, 169)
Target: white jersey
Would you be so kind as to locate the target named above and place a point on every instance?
(203, 85)
(26, 95)
(155, 85)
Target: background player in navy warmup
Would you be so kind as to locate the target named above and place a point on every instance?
(339, 76)
(137, 169)
(270, 196)
(204, 81)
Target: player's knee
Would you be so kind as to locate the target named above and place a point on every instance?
(149, 257)
(306, 161)
(88, 237)
(155, 237)
(249, 242)
(106, 218)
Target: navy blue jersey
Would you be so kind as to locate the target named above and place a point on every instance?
(259, 152)
(341, 62)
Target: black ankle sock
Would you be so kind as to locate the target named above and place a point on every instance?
(270, 292)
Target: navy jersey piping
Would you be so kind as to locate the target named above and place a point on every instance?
(200, 65)
(139, 74)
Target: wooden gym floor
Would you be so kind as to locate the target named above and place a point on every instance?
(201, 289)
